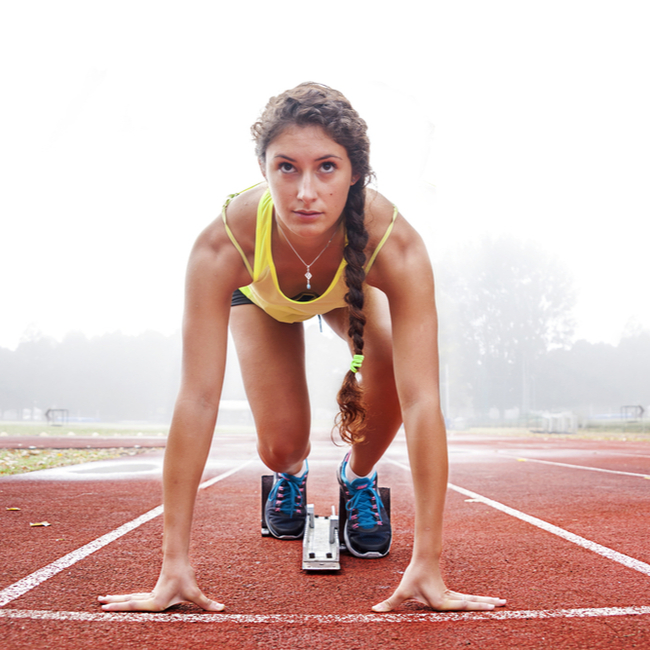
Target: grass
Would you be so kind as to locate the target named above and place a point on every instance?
(587, 433)
(91, 429)
(20, 461)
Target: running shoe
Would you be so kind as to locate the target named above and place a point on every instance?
(367, 531)
(285, 509)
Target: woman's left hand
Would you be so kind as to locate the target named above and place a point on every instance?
(423, 583)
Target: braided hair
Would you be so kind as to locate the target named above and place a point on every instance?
(311, 104)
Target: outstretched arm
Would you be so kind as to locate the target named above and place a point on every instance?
(404, 273)
(210, 283)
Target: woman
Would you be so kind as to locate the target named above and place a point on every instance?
(313, 232)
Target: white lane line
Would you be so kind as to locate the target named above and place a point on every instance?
(221, 477)
(24, 585)
(321, 619)
(609, 553)
(591, 469)
(621, 453)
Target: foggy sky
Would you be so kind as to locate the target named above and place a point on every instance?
(124, 125)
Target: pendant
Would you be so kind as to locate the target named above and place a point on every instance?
(308, 276)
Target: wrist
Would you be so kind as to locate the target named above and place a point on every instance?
(172, 568)
(427, 545)
(175, 556)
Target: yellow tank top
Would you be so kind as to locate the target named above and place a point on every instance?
(265, 290)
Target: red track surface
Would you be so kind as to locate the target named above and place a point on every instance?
(560, 595)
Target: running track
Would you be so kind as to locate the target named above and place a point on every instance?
(559, 527)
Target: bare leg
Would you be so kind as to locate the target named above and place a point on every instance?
(272, 359)
(384, 415)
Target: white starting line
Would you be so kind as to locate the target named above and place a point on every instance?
(321, 619)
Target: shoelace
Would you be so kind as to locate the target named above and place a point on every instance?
(365, 500)
(287, 493)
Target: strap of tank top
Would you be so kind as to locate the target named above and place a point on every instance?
(382, 242)
(230, 233)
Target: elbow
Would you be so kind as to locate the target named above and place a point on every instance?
(421, 401)
(204, 402)
(422, 412)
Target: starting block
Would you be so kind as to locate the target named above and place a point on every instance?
(320, 543)
(323, 539)
(267, 485)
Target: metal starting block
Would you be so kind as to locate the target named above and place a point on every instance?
(267, 486)
(320, 544)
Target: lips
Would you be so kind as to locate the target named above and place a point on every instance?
(307, 215)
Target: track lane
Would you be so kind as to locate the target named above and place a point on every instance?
(486, 551)
(611, 510)
(237, 566)
(14, 591)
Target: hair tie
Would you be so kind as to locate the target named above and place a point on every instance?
(357, 360)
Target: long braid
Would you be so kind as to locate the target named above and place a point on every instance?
(315, 104)
(352, 411)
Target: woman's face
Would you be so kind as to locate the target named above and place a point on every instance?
(309, 177)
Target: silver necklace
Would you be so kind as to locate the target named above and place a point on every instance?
(308, 274)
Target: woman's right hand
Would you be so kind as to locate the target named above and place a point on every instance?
(174, 586)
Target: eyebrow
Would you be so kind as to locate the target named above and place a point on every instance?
(281, 155)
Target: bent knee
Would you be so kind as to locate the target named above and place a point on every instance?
(282, 452)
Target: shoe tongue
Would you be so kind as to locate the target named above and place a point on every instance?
(361, 483)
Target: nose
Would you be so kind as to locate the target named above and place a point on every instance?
(307, 189)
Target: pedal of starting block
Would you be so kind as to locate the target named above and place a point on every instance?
(267, 486)
(320, 544)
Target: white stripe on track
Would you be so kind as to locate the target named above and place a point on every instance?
(34, 579)
(609, 553)
(621, 453)
(591, 469)
(320, 619)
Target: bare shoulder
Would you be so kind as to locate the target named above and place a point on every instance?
(243, 206)
(378, 216)
(214, 252)
(404, 252)
(241, 215)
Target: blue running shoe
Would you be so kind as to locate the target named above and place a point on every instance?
(285, 509)
(367, 531)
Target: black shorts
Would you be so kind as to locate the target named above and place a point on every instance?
(238, 298)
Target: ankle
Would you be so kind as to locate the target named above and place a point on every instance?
(350, 475)
(299, 470)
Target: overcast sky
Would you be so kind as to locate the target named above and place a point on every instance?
(123, 125)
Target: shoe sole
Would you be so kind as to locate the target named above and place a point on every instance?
(286, 536)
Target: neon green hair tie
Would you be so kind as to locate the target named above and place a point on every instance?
(357, 360)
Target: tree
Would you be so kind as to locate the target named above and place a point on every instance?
(596, 378)
(111, 377)
(503, 303)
